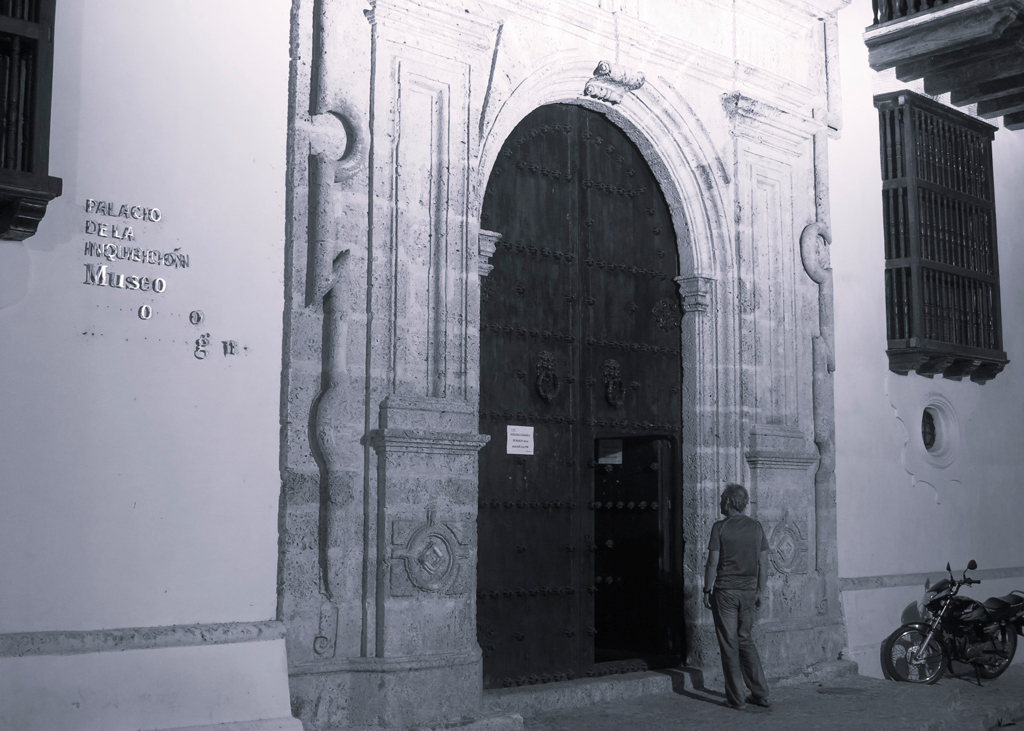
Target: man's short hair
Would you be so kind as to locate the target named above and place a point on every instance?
(736, 496)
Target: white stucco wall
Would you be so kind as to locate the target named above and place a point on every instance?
(891, 523)
(140, 483)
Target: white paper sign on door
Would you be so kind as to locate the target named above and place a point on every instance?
(520, 440)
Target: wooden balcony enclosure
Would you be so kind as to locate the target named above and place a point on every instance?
(26, 73)
(941, 257)
(973, 49)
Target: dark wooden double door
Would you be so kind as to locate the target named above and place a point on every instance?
(580, 546)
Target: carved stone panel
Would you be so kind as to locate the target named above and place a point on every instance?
(788, 541)
(768, 290)
(425, 247)
(428, 557)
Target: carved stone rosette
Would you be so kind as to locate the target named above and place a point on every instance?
(788, 543)
(428, 557)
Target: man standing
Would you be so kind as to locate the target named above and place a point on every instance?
(734, 582)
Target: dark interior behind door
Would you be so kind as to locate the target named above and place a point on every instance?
(636, 591)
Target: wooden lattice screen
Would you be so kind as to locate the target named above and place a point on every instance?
(942, 270)
(26, 72)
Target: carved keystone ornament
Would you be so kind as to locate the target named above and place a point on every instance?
(611, 82)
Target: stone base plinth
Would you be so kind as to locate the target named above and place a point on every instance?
(787, 649)
(393, 693)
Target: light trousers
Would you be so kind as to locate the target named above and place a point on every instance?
(734, 611)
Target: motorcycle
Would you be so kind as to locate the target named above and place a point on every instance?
(944, 627)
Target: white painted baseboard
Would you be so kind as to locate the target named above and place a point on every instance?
(243, 685)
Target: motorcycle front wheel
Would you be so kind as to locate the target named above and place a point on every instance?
(994, 670)
(906, 659)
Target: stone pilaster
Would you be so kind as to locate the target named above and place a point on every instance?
(427, 664)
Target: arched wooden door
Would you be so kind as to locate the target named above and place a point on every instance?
(580, 546)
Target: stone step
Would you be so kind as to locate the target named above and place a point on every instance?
(532, 699)
(696, 680)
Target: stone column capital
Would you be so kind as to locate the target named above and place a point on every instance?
(488, 243)
(695, 292)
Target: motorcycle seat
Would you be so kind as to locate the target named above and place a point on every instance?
(999, 607)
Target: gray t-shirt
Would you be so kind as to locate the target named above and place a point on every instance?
(738, 539)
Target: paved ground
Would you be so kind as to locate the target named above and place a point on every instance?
(841, 704)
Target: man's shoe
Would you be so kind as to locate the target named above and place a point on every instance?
(763, 702)
(735, 706)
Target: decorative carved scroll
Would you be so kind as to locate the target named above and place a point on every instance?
(325, 642)
(611, 82)
(815, 259)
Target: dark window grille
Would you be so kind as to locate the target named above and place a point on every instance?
(17, 86)
(26, 72)
(938, 212)
(22, 9)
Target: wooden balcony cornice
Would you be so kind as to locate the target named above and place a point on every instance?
(973, 49)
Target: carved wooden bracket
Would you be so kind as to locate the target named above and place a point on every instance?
(611, 82)
(486, 247)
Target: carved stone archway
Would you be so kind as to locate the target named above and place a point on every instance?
(409, 104)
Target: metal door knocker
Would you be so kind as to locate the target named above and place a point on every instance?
(614, 389)
(547, 383)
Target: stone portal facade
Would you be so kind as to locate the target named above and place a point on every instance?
(398, 111)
